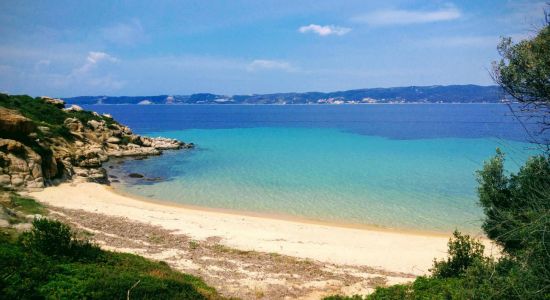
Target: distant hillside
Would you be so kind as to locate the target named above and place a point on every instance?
(411, 94)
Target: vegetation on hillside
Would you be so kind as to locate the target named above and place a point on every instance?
(48, 115)
(49, 262)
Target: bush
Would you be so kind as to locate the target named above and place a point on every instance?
(55, 239)
(463, 252)
(517, 208)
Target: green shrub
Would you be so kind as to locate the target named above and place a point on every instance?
(55, 239)
(22, 273)
(463, 252)
(517, 208)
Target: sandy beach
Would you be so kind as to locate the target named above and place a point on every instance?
(394, 251)
(399, 256)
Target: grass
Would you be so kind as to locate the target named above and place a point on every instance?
(26, 205)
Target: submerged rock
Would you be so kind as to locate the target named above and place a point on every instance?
(154, 179)
(135, 175)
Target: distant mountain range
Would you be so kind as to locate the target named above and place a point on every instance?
(411, 94)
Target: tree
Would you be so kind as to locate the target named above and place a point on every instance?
(517, 210)
(524, 74)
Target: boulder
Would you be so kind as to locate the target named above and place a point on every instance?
(73, 124)
(5, 179)
(98, 175)
(165, 143)
(53, 101)
(13, 124)
(113, 140)
(21, 164)
(96, 124)
(74, 107)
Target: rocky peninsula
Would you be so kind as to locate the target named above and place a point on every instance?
(43, 142)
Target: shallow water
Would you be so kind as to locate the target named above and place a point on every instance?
(398, 166)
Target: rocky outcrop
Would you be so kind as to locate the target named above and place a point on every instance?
(29, 160)
(12, 123)
(53, 101)
(20, 166)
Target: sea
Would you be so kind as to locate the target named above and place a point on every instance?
(395, 166)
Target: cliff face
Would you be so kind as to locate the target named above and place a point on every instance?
(42, 142)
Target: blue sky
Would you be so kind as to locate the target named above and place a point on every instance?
(69, 48)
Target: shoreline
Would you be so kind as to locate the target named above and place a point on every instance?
(289, 218)
(385, 249)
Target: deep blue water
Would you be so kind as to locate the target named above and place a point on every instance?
(406, 121)
(399, 166)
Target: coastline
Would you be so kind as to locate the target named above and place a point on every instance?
(387, 249)
(286, 217)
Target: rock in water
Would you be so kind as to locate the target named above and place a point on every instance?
(135, 175)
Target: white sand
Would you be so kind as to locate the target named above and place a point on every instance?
(391, 251)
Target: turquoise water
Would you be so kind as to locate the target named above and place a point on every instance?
(325, 174)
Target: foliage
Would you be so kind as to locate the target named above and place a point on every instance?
(463, 252)
(517, 206)
(524, 73)
(49, 262)
(524, 68)
(48, 115)
(55, 239)
(517, 209)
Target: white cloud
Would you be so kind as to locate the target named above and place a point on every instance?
(405, 17)
(324, 30)
(95, 57)
(92, 60)
(264, 64)
(85, 75)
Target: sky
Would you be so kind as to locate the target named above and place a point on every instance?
(73, 48)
